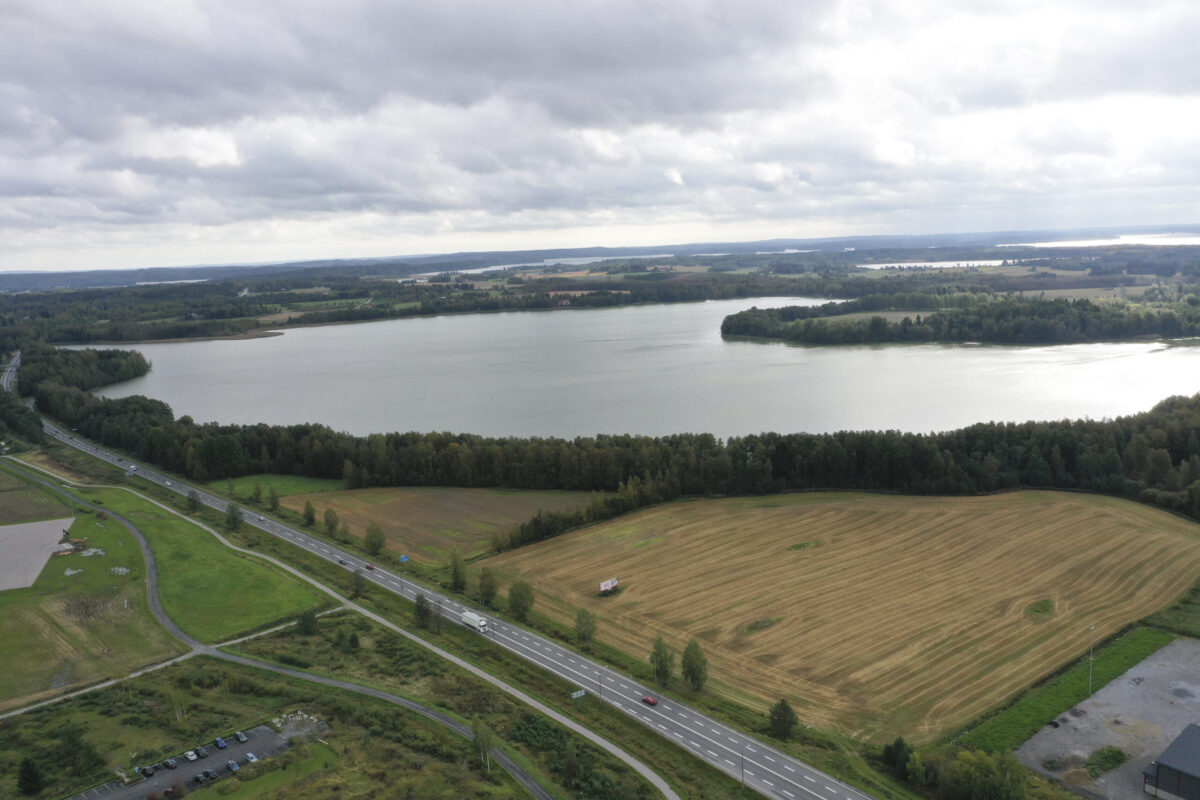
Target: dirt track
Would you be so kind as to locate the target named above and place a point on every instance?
(25, 548)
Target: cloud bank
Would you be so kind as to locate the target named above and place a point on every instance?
(171, 132)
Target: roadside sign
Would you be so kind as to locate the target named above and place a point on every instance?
(579, 694)
(403, 559)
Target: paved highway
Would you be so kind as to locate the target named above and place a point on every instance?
(761, 767)
(10, 372)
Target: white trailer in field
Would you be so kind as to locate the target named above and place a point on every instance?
(474, 621)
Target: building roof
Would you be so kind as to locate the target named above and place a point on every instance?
(1184, 753)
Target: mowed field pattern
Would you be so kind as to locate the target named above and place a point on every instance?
(876, 615)
(426, 522)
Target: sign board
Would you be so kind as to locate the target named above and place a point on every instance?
(608, 585)
(579, 694)
(403, 559)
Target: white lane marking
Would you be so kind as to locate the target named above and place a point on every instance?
(730, 763)
(768, 758)
(789, 769)
(809, 778)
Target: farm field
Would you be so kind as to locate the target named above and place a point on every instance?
(425, 522)
(21, 502)
(875, 615)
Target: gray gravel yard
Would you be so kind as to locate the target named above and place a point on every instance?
(25, 548)
(263, 741)
(1141, 712)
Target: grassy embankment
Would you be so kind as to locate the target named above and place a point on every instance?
(66, 631)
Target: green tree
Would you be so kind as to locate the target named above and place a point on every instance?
(272, 499)
(331, 522)
(307, 625)
(256, 493)
(358, 584)
(193, 502)
(343, 534)
(914, 771)
(487, 586)
(310, 514)
(895, 756)
(585, 627)
(233, 517)
(458, 570)
(29, 779)
(422, 611)
(485, 742)
(782, 720)
(694, 665)
(662, 658)
(374, 540)
(520, 599)
(976, 775)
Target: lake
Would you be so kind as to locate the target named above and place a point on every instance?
(654, 369)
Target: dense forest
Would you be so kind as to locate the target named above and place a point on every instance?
(1154, 456)
(1007, 320)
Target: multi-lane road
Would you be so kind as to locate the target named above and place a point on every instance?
(760, 766)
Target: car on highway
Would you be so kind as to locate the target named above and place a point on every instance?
(168, 484)
(251, 758)
(220, 743)
(342, 561)
(650, 701)
(241, 737)
(370, 566)
(190, 755)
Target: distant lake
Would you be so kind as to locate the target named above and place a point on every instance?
(654, 369)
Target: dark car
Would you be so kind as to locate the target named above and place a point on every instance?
(233, 765)
(220, 743)
(170, 763)
(147, 770)
(200, 751)
(241, 737)
(342, 561)
(198, 779)
(211, 774)
(650, 701)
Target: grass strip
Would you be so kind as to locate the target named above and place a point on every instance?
(1015, 723)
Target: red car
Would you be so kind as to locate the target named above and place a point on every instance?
(370, 566)
(650, 701)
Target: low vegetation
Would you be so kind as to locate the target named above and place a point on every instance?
(211, 592)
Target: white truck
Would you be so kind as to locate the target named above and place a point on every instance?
(474, 621)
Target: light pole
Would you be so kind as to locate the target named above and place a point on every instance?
(1091, 641)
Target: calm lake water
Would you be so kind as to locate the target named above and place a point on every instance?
(648, 369)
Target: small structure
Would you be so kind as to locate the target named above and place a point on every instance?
(1176, 773)
(608, 587)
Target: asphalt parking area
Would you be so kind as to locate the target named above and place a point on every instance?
(263, 741)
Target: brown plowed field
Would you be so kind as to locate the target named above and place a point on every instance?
(425, 522)
(878, 615)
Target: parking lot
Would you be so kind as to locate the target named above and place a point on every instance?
(263, 741)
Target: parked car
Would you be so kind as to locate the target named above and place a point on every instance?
(251, 758)
(211, 774)
(233, 765)
(169, 791)
(650, 701)
(220, 743)
(198, 779)
(241, 737)
(147, 770)
(190, 755)
(170, 763)
(200, 751)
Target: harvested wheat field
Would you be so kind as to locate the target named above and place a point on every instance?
(425, 522)
(876, 615)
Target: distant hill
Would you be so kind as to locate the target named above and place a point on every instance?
(445, 262)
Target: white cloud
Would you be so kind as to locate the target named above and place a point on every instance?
(258, 132)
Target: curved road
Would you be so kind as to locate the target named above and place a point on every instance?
(198, 648)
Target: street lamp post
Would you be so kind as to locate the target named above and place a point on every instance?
(1091, 641)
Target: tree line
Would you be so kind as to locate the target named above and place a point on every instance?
(1007, 320)
(1152, 456)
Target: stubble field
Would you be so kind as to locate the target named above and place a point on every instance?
(876, 615)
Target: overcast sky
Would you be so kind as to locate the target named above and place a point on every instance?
(156, 132)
